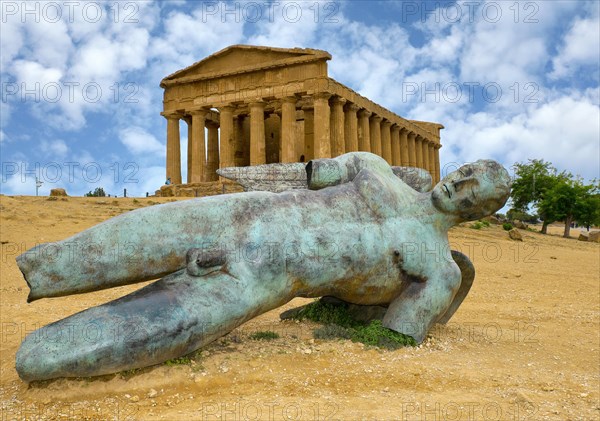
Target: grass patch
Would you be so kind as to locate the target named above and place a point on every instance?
(339, 324)
(329, 332)
(186, 359)
(265, 335)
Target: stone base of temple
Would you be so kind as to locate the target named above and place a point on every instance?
(209, 188)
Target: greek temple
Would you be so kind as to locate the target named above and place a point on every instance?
(248, 105)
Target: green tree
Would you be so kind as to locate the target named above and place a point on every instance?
(98, 192)
(531, 183)
(571, 200)
(588, 206)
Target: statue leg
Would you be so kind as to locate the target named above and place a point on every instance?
(138, 246)
(169, 318)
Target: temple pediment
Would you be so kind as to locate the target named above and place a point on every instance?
(242, 59)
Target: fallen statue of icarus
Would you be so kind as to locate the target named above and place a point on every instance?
(227, 259)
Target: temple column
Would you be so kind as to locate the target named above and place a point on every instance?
(431, 155)
(386, 141)
(425, 152)
(322, 129)
(173, 148)
(395, 139)
(226, 143)
(288, 131)
(257, 133)
(375, 131)
(212, 160)
(196, 147)
(239, 141)
(412, 156)
(438, 175)
(309, 133)
(404, 155)
(419, 151)
(364, 137)
(188, 122)
(337, 125)
(351, 127)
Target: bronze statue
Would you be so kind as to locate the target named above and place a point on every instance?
(359, 233)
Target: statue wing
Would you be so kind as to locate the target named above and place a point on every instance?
(268, 177)
(322, 173)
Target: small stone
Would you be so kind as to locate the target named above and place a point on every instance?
(135, 398)
(514, 234)
(58, 192)
(152, 393)
(520, 224)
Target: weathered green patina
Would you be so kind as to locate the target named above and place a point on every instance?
(359, 234)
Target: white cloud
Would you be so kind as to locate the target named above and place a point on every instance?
(188, 38)
(54, 149)
(32, 74)
(580, 47)
(139, 142)
(11, 40)
(49, 43)
(564, 131)
(293, 24)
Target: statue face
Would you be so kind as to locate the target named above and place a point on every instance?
(473, 191)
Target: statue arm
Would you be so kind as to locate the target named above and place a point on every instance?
(328, 172)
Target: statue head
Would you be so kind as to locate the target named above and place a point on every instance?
(473, 191)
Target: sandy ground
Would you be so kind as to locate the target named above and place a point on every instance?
(524, 345)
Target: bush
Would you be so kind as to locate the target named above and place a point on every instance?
(514, 214)
(477, 225)
(99, 192)
(265, 335)
(507, 226)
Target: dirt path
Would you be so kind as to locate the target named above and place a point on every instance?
(524, 345)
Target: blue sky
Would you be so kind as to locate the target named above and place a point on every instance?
(81, 98)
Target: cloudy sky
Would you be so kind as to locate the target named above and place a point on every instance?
(81, 98)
